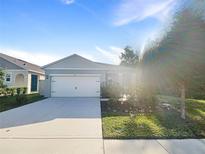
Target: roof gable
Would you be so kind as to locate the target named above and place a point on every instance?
(5, 64)
(78, 62)
(73, 62)
(22, 64)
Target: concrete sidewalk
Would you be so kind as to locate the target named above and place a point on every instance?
(172, 146)
(94, 146)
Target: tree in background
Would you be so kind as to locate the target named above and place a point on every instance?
(179, 57)
(129, 57)
(140, 97)
(2, 86)
(1, 78)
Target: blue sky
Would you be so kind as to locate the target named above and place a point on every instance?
(41, 31)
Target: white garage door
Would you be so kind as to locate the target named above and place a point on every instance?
(78, 86)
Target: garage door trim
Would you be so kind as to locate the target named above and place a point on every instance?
(81, 91)
(86, 75)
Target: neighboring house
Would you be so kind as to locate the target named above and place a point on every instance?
(19, 73)
(75, 76)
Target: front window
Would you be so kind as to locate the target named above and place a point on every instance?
(8, 78)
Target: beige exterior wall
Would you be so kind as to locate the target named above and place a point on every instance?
(16, 79)
(19, 78)
(41, 77)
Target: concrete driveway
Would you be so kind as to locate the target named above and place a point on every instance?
(54, 125)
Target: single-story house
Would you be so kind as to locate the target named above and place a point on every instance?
(76, 76)
(19, 73)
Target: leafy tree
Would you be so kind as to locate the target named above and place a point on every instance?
(179, 56)
(1, 78)
(129, 57)
(2, 86)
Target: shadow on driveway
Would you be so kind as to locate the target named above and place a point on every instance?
(50, 109)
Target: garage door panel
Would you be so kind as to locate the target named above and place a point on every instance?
(59, 86)
(64, 86)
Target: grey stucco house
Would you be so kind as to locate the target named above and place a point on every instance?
(19, 73)
(76, 76)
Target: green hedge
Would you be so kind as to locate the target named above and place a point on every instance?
(9, 102)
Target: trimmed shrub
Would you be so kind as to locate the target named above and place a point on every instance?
(2, 91)
(24, 90)
(111, 90)
(13, 91)
(113, 103)
(8, 91)
(142, 100)
(21, 90)
(18, 91)
(21, 99)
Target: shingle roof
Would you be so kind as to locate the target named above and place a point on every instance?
(23, 64)
(77, 61)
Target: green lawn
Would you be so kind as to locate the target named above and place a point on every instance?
(9, 102)
(162, 124)
(195, 112)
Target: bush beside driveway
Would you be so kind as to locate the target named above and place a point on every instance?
(163, 123)
(10, 102)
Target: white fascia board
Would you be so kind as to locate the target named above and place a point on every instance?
(36, 72)
(91, 69)
(97, 75)
(78, 69)
(23, 70)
